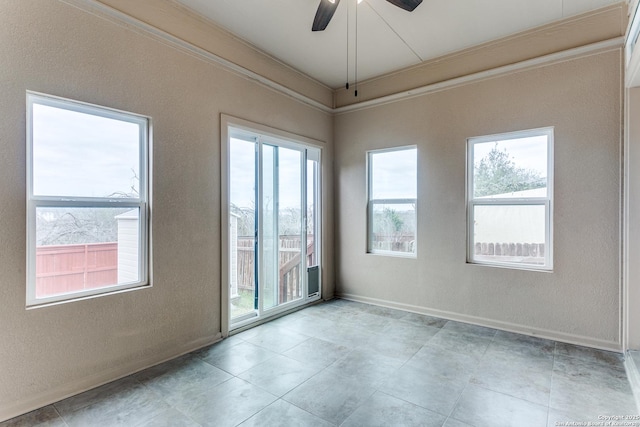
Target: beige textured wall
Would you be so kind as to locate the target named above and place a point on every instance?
(633, 217)
(580, 300)
(48, 46)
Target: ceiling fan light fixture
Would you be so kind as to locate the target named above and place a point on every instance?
(325, 12)
(408, 5)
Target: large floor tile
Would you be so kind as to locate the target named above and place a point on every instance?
(486, 408)
(333, 309)
(448, 364)
(469, 329)
(364, 366)
(428, 390)
(589, 354)
(306, 325)
(585, 373)
(389, 313)
(362, 319)
(518, 357)
(557, 418)
(239, 358)
(393, 346)
(522, 382)
(219, 347)
(330, 396)
(518, 369)
(475, 345)
(111, 390)
(347, 336)
(587, 402)
(277, 339)
(424, 320)
(126, 407)
(226, 404)
(284, 414)
(408, 331)
(382, 410)
(279, 374)
(451, 422)
(43, 417)
(317, 352)
(523, 344)
(586, 389)
(180, 374)
(169, 418)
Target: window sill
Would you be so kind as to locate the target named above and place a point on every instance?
(81, 297)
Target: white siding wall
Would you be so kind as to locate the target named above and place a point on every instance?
(128, 247)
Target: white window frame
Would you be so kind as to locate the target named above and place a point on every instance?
(372, 202)
(35, 201)
(547, 201)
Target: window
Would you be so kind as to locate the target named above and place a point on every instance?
(392, 189)
(86, 199)
(510, 194)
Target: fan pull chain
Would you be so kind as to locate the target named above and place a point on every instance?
(347, 38)
(356, 64)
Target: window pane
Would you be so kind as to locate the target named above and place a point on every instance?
(270, 243)
(84, 155)
(242, 221)
(78, 249)
(290, 216)
(394, 174)
(312, 252)
(509, 234)
(394, 227)
(510, 168)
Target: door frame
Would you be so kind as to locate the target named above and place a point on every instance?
(269, 133)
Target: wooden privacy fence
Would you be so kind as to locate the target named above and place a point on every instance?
(531, 253)
(399, 243)
(290, 274)
(245, 262)
(289, 265)
(510, 249)
(71, 268)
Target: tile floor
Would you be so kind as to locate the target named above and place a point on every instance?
(351, 364)
(636, 358)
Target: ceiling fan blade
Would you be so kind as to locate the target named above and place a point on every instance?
(408, 5)
(325, 12)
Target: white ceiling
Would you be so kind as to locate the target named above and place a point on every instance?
(389, 38)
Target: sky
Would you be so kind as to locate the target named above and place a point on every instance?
(395, 174)
(242, 174)
(526, 153)
(78, 154)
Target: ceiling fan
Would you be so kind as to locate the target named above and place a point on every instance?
(327, 8)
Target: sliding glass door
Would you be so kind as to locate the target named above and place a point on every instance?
(273, 214)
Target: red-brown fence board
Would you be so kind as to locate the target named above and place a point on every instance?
(72, 268)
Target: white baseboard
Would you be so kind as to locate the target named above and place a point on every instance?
(14, 409)
(634, 377)
(495, 324)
